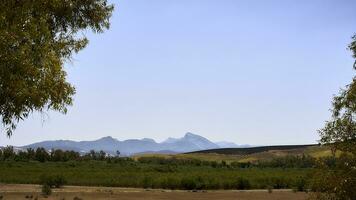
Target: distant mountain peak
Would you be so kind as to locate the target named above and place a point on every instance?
(148, 140)
(107, 138)
(189, 142)
(189, 134)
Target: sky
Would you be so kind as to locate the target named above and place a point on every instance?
(245, 71)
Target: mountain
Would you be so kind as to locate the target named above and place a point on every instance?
(190, 142)
(224, 144)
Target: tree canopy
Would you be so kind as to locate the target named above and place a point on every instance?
(341, 130)
(339, 182)
(36, 38)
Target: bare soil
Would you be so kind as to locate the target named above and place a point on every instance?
(18, 191)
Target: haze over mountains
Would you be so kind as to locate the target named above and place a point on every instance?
(190, 142)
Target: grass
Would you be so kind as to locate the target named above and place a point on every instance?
(135, 174)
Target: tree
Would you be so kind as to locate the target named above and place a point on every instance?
(339, 181)
(118, 153)
(36, 38)
(41, 155)
(8, 153)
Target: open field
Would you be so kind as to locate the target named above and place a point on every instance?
(19, 192)
(251, 154)
(152, 175)
(252, 150)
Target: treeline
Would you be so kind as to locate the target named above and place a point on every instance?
(55, 155)
(290, 161)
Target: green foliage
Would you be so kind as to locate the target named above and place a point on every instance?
(46, 190)
(188, 183)
(242, 184)
(130, 173)
(301, 184)
(54, 181)
(337, 179)
(36, 38)
(303, 161)
(8, 153)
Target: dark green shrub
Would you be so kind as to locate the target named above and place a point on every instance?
(170, 183)
(280, 183)
(46, 189)
(301, 184)
(59, 181)
(147, 182)
(188, 184)
(56, 181)
(242, 184)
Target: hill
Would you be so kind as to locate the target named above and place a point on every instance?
(252, 150)
(250, 154)
(189, 142)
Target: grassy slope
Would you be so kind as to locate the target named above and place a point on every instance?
(250, 154)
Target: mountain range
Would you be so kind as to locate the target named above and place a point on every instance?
(189, 142)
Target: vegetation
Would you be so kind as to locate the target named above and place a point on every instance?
(36, 38)
(129, 173)
(46, 190)
(338, 181)
(56, 168)
(252, 150)
(55, 181)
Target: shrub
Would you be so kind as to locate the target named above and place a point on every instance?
(170, 183)
(46, 189)
(242, 184)
(59, 181)
(188, 184)
(301, 184)
(147, 182)
(279, 183)
(56, 181)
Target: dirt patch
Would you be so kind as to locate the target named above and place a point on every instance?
(17, 192)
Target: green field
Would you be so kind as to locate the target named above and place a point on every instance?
(136, 174)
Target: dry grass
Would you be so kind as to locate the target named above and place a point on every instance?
(314, 151)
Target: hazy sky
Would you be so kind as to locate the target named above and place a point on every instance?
(256, 72)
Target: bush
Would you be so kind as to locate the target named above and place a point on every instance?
(280, 183)
(242, 184)
(188, 184)
(56, 181)
(301, 184)
(170, 183)
(147, 182)
(46, 189)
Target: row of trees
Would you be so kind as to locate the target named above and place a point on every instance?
(39, 154)
(55, 155)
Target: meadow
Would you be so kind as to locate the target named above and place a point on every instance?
(130, 173)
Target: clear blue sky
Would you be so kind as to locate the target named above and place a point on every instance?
(252, 71)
